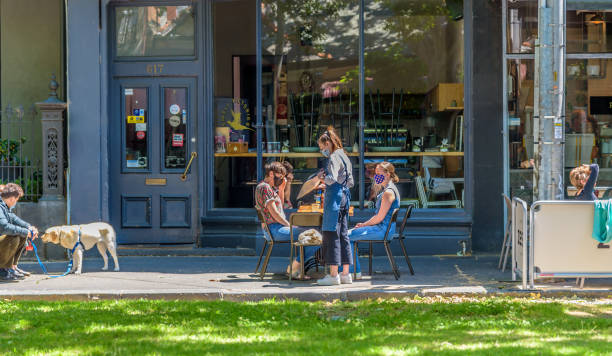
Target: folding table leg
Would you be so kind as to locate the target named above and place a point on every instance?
(265, 264)
(355, 262)
(291, 247)
(406, 256)
(302, 262)
(263, 249)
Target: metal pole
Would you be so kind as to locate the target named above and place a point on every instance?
(550, 61)
(361, 123)
(258, 107)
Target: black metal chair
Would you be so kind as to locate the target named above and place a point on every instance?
(314, 220)
(269, 243)
(400, 237)
(385, 242)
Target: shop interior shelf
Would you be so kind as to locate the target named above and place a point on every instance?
(353, 154)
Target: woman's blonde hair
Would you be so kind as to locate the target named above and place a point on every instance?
(578, 174)
(330, 135)
(390, 169)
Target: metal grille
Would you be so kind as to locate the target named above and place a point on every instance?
(20, 163)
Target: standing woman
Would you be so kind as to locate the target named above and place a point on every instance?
(337, 179)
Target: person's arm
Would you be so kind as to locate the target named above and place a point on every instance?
(11, 229)
(387, 199)
(17, 221)
(281, 190)
(333, 171)
(271, 206)
(589, 187)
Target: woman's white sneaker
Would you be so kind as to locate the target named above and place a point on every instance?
(329, 281)
(346, 279)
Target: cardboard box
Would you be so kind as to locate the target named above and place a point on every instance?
(237, 147)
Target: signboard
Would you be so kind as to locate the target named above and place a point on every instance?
(132, 119)
(178, 140)
(601, 105)
(519, 239)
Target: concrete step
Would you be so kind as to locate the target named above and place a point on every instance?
(182, 251)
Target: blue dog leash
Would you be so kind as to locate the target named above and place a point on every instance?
(42, 266)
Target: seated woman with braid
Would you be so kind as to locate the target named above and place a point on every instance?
(386, 201)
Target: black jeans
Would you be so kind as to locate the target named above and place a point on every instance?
(336, 245)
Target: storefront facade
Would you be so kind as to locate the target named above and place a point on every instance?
(176, 106)
(588, 93)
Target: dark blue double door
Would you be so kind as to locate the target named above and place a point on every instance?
(153, 166)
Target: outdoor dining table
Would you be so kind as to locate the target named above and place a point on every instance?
(313, 208)
(306, 210)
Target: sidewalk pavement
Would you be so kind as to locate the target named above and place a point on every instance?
(232, 278)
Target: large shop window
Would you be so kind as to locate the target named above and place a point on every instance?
(588, 123)
(311, 56)
(588, 129)
(413, 97)
(519, 95)
(235, 141)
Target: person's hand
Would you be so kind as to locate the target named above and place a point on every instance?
(321, 186)
(321, 175)
(283, 185)
(360, 225)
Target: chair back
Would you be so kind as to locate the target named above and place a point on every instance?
(311, 219)
(306, 219)
(421, 191)
(393, 220)
(508, 206)
(264, 226)
(406, 217)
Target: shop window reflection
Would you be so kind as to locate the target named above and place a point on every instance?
(522, 26)
(154, 31)
(414, 98)
(309, 67)
(589, 120)
(234, 136)
(589, 31)
(520, 96)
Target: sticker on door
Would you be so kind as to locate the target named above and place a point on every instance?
(177, 140)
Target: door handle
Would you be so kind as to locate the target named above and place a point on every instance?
(184, 175)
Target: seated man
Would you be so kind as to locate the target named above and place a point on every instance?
(14, 233)
(269, 196)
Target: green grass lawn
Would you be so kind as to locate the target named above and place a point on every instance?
(414, 326)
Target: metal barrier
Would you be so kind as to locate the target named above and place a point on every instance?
(20, 150)
(560, 242)
(519, 239)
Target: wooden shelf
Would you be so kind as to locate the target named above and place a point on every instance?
(351, 154)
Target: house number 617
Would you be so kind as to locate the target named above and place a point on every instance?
(155, 68)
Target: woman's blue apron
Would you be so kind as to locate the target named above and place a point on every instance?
(337, 197)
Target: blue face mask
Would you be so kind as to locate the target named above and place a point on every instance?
(325, 152)
(379, 178)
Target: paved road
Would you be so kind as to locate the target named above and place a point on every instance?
(232, 278)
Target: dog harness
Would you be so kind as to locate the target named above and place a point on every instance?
(42, 266)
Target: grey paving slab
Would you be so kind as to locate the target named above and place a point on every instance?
(232, 278)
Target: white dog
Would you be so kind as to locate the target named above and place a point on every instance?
(100, 234)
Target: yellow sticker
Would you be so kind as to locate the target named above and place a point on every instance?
(135, 119)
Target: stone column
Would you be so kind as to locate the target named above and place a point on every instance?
(53, 144)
